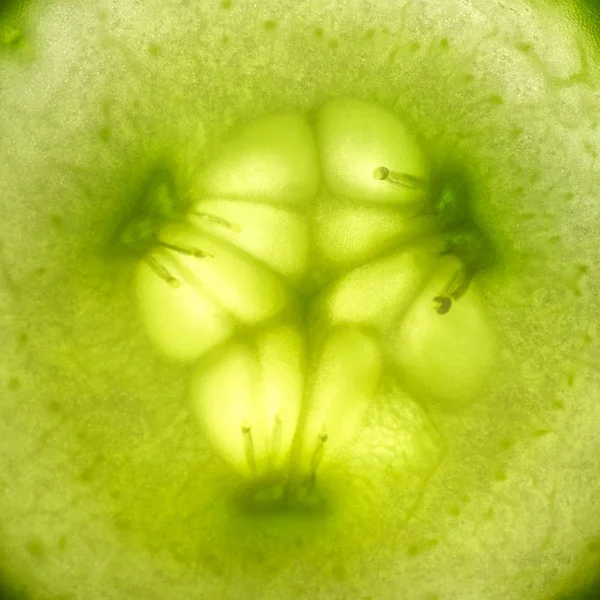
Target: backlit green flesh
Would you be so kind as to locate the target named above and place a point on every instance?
(112, 484)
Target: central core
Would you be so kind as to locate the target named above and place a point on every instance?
(315, 263)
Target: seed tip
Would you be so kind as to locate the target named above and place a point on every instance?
(444, 304)
(381, 173)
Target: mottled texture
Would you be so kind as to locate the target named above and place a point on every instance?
(107, 489)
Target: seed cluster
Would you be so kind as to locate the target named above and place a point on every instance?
(311, 257)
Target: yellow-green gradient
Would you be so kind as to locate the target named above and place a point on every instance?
(365, 230)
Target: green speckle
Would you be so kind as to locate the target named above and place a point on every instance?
(226, 4)
(444, 44)
(516, 132)
(523, 46)
(569, 196)
(14, 383)
(319, 32)
(122, 524)
(82, 435)
(559, 405)
(338, 572)
(86, 474)
(225, 40)
(468, 77)
(333, 44)
(35, 548)
(594, 545)
(370, 34)
(528, 216)
(270, 25)
(212, 563)
(415, 549)
(454, 511)
(62, 542)
(570, 379)
(393, 54)
(11, 36)
(414, 47)
(541, 432)
(496, 100)
(23, 338)
(500, 475)
(153, 49)
(54, 407)
(104, 134)
(590, 149)
(56, 222)
(583, 269)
